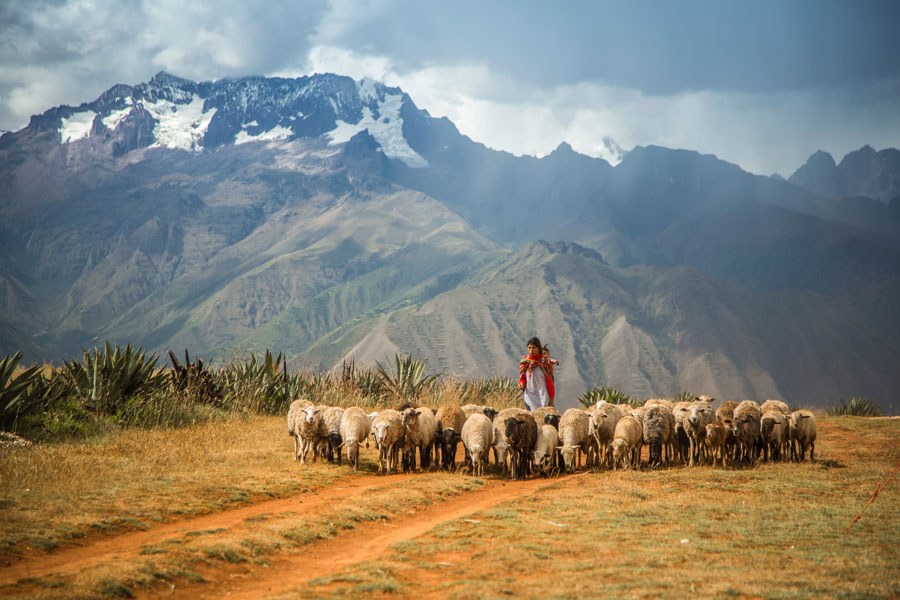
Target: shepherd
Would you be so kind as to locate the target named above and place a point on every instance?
(536, 376)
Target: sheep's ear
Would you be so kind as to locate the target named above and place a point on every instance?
(804, 416)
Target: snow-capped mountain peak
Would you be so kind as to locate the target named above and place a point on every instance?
(181, 114)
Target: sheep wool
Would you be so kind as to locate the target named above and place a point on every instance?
(476, 437)
(574, 436)
(354, 430)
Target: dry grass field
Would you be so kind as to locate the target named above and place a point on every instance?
(221, 510)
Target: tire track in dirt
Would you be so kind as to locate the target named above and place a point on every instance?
(130, 544)
(289, 572)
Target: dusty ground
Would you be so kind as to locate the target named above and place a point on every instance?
(420, 549)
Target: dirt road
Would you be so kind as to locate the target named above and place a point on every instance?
(286, 571)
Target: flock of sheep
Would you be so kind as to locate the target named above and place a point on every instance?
(546, 442)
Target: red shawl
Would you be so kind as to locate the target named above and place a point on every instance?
(529, 362)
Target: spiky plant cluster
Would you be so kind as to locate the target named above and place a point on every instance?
(857, 407)
(612, 395)
(108, 377)
(406, 379)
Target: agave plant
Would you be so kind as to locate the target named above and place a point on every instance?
(684, 396)
(407, 380)
(858, 407)
(477, 391)
(194, 380)
(260, 386)
(609, 394)
(17, 392)
(110, 376)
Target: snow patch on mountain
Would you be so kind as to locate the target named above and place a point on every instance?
(179, 125)
(368, 89)
(76, 127)
(115, 117)
(387, 131)
(276, 133)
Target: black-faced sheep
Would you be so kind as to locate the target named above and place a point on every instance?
(330, 432)
(498, 437)
(540, 414)
(450, 420)
(521, 435)
(659, 432)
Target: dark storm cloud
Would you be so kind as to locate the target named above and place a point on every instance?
(657, 47)
(68, 52)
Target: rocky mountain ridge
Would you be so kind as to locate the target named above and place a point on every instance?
(331, 218)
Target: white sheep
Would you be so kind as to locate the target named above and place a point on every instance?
(773, 431)
(700, 414)
(574, 436)
(388, 431)
(476, 437)
(355, 425)
(627, 443)
(545, 449)
(308, 431)
(293, 423)
(603, 427)
(420, 427)
(803, 433)
(775, 405)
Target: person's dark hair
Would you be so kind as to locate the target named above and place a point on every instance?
(535, 342)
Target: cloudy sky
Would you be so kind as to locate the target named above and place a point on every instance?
(762, 84)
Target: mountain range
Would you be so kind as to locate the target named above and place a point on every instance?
(332, 219)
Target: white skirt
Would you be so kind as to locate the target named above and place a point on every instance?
(536, 394)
